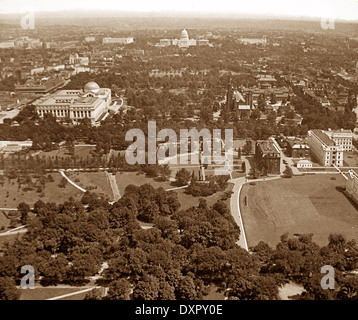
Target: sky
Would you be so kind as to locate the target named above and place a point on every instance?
(336, 9)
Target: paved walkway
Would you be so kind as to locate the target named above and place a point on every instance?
(235, 210)
(71, 182)
(114, 186)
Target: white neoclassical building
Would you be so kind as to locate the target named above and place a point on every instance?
(184, 40)
(325, 149)
(91, 102)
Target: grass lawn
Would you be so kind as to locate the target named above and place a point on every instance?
(47, 293)
(9, 239)
(307, 204)
(11, 195)
(91, 180)
(351, 159)
(80, 151)
(186, 200)
(4, 222)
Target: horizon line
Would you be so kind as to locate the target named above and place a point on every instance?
(191, 13)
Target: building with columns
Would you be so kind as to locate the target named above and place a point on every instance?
(91, 102)
(325, 149)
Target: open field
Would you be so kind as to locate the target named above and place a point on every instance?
(306, 204)
(11, 195)
(80, 152)
(92, 181)
(47, 293)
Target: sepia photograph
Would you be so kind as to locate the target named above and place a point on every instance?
(178, 157)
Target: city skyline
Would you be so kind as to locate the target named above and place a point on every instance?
(342, 10)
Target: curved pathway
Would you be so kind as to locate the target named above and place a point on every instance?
(235, 210)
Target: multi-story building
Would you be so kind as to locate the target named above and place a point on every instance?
(297, 149)
(109, 40)
(75, 59)
(40, 87)
(90, 39)
(7, 44)
(267, 157)
(341, 137)
(324, 149)
(184, 41)
(91, 102)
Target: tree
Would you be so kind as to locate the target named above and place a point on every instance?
(288, 172)
(119, 290)
(8, 290)
(185, 289)
(182, 177)
(147, 289)
(24, 209)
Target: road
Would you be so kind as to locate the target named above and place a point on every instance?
(235, 210)
(235, 206)
(287, 159)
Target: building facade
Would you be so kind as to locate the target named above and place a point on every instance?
(324, 149)
(184, 41)
(341, 137)
(109, 40)
(91, 102)
(297, 149)
(267, 157)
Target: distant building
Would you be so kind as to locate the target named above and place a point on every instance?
(39, 87)
(14, 146)
(325, 149)
(265, 81)
(341, 137)
(304, 164)
(165, 42)
(90, 39)
(267, 157)
(203, 42)
(75, 59)
(91, 102)
(255, 41)
(297, 149)
(7, 44)
(109, 40)
(184, 41)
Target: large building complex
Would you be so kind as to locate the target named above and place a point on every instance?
(91, 102)
(341, 137)
(109, 40)
(183, 42)
(42, 86)
(324, 149)
(267, 157)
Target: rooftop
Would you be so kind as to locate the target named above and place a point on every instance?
(323, 137)
(267, 146)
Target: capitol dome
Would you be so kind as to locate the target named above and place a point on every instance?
(184, 35)
(91, 87)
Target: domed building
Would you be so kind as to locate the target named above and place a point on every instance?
(184, 35)
(184, 41)
(91, 102)
(91, 87)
